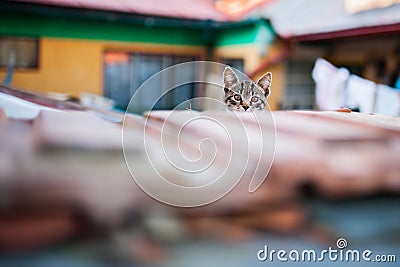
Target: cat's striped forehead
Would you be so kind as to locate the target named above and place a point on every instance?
(246, 88)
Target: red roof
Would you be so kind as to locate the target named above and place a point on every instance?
(194, 9)
(303, 20)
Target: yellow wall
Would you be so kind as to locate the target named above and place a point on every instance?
(246, 52)
(278, 85)
(72, 66)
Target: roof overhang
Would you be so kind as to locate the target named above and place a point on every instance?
(347, 33)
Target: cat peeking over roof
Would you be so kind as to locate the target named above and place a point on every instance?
(246, 95)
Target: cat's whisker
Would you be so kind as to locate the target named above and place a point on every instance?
(190, 107)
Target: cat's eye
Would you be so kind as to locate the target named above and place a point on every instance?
(254, 99)
(237, 97)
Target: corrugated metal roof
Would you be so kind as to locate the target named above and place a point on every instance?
(304, 17)
(194, 9)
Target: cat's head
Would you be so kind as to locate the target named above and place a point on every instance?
(246, 95)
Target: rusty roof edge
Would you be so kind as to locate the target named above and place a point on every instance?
(344, 33)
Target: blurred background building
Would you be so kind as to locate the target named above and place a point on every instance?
(110, 47)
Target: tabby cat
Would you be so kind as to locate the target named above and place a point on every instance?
(246, 95)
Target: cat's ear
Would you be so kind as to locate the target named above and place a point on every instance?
(265, 83)
(230, 78)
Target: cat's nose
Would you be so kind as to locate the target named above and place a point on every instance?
(245, 107)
